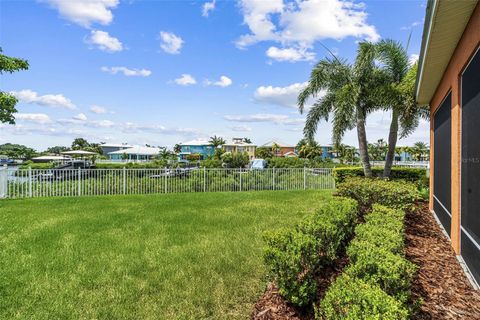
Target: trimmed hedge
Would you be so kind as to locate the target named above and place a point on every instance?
(394, 194)
(350, 298)
(378, 267)
(414, 175)
(293, 256)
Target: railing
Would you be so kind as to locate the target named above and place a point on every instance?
(25, 183)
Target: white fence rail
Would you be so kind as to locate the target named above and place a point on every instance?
(25, 183)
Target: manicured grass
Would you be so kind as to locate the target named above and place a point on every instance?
(174, 256)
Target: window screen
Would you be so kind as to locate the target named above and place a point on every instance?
(470, 214)
(442, 162)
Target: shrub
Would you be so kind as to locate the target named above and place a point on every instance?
(290, 256)
(294, 162)
(383, 228)
(212, 163)
(376, 253)
(293, 256)
(392, 272)
(235, 160)
(351, 298)
(414, 175)
(394, 194)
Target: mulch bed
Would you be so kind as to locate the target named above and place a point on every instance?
(440, 283)
(273, 306)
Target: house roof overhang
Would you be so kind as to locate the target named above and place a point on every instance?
(445, 23)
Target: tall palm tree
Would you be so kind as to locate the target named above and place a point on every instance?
(275, 148)
(398, 95)
(177, 148)
(420, 149)
(350, 94)
(216, 141)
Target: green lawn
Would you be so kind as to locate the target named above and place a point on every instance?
(174, 256)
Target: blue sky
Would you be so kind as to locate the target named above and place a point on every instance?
(163, 72)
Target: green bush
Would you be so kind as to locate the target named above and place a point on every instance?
(294, 162)
(414, 175)
(36, 165)
(350, 298)
(392, 272)
(211, 163)
(383, 228)
(394, 194)
(294, 256)
(290, 256)
(377, 253)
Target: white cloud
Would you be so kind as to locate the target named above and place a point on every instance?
(80, 117)
(303, 22)
(207, 7)
(290, 54)
(241, 128)
(98, 110)
(414, 24)
(281, 96)
(40, 118)
(101, 124)
(170, 43)
(413, 58)
(85, 12)
(130, 127)
(185, 80)
(264, 117)
(104, 41)
(127, 72)
(223, 82)
(51, 100)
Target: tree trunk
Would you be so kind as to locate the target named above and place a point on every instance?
(392, 144)
(362, 144)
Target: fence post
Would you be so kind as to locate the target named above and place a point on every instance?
(79, 179)
(166, 180)
(3, 182)
(240, 178)
(333, 178)
(304, 178)
(273, 178)
(204, 179)
(124, 180)
(30, 182)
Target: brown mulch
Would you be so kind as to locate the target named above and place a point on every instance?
(440, 282)
(272, 305)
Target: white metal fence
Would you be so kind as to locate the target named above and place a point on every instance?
(25, 183)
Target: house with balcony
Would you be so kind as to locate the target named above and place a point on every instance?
(239, 145)
(201, 147)
(111, 147)
(282, 149)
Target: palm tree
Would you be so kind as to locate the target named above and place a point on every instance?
(275, 149)
(398, 95)
(419, 150)
(350, 95)
(177, 148)
(216, 141)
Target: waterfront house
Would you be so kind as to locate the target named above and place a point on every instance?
(134, 154)
(201, 147)
(239, 145)
(111, 147)
(283, 149)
